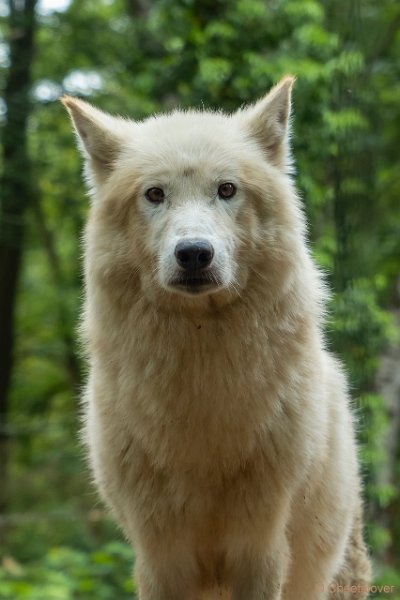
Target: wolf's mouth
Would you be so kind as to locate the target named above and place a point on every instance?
(194, 284)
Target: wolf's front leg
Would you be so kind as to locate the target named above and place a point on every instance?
(160, 578)
(260, 577)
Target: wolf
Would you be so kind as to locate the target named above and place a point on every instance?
(218, 426)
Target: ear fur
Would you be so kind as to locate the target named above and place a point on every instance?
(268, 122)
(99, 135)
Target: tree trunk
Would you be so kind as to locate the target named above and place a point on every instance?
(15, 195)
(72, 366)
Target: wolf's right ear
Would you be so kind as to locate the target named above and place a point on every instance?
(99, 136)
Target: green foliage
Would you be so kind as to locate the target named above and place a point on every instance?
(391, 577)
(69, 574)
(360, 331)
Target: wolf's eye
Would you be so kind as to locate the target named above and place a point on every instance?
(226, 190)
(155, 195)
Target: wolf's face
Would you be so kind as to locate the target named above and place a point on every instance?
(190, 202)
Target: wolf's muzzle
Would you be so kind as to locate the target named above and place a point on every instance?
(194, 255)
(194, 258)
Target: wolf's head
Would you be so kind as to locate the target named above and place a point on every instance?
(193, 206)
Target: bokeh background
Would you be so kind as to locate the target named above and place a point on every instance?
(135, 57)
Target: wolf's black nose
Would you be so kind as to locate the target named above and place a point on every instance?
(193, 255)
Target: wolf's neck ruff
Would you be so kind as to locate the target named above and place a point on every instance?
(209, 386)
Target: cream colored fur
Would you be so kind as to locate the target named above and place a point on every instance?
(218, 425)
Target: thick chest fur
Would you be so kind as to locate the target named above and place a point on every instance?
(207, 394)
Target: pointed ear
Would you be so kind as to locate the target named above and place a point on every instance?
(99, 136)
(268, 122)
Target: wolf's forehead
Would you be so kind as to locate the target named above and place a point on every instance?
(188, 168)
(181, 122)
(186, 144)
(192, 133)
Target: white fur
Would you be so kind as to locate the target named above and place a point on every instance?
(218, 426)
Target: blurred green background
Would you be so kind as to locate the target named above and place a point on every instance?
(134, 57)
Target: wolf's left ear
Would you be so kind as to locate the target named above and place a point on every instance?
(99, 135)
(268, 122)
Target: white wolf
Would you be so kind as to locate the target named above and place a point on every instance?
(218, 426)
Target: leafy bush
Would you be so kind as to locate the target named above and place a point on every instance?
(69, 574)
